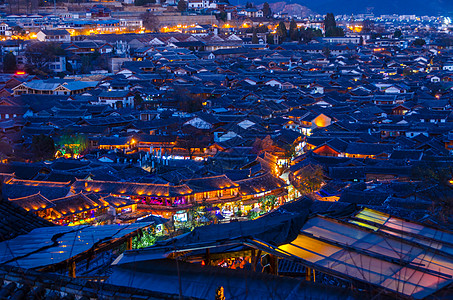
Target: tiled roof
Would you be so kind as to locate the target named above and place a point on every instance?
(35, 202)
(14, 220)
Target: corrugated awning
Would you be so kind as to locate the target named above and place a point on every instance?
(52, 245)
(373, 255)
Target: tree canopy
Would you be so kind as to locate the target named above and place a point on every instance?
(330, 26)
(40, 53)
(143, 2)
(9, 63)
(282, 33)
(397, 34)
(255, 39)
(293, 31)
(267, 12)
(182, 5)
(308, 34)
(43, 147)
(150, 21)
(419, 42)
(309, 179)
(329, 21)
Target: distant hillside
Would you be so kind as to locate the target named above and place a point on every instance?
(291, 9)
(419, 7)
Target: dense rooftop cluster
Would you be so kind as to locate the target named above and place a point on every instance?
(274, 151)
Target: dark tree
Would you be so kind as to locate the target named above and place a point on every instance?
(330, 26)
(187, 102)
(293, 31)
(270, 39)
(249, 5)
(309, 33)
(419, 42)
(329, 21)
(309, 179)
(267, 12)
(143, 2)
(9, 63)
(255, 39)
(263, 145)
(190, 144)
(222, 16)
(150, 21)
(441, 193)
(367, 26)
(69, 67)
(397, 34)
(282, 33)
(262, 29)
(40, 53)
(43, 147)
(138, 101)
(182, 5)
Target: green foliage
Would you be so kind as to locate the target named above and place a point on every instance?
(253, 215)
(146, 240)
(9, 63)
(200, 214)
(268, 202)
(43, 147)
(182, 5)
(376, 35)
(73, 144)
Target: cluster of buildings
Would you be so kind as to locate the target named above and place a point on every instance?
(227, 113)
(317, 168)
